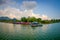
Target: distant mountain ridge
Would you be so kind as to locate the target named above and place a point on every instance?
(5, 18)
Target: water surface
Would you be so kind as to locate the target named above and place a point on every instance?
(26, 32)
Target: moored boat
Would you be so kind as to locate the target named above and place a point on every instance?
(35, 24)
(24, 23)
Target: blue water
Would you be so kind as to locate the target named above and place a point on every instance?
(26, 32)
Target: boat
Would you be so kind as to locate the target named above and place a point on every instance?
(23, 23)
(35, 24)
(17, 23)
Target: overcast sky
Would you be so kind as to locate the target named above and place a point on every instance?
(44, 9)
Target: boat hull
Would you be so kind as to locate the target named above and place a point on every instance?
(24, 23)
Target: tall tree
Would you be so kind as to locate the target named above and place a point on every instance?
(24, 19)
(38, 19)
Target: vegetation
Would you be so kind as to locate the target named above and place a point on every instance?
(23, 19)
(50, 21)
(28, 19)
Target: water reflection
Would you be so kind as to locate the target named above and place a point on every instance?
(26, 32)
(45, 27)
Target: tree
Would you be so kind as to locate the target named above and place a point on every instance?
(28, 19)
(38, 19)
(32, 19)
(24, 19)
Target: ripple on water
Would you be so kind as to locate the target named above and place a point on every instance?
(20, 32)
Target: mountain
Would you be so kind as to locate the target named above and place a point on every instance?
(5, 18)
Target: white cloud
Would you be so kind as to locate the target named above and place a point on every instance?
(45, 17)
(16, 13)
(11, 12)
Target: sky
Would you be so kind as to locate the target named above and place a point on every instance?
(45, 9)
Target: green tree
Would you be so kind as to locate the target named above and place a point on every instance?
(39, 20)
(33, 19)
(24, 19)
(29, 19)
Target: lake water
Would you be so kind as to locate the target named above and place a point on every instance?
(26, 32)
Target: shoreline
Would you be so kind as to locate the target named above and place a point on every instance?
(16, 22)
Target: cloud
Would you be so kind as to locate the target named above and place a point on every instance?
(29, 4)
(2, 2)
(11, 12)
(16, 13)
(45, 17)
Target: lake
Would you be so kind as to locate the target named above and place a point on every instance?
(26, 32)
